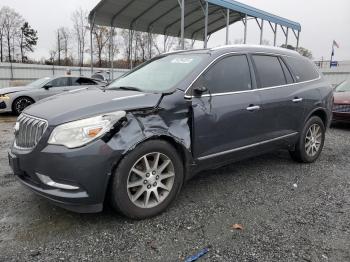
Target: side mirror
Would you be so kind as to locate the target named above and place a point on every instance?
(199, 90)
(47, 86)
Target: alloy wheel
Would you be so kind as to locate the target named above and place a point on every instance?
(150, 180)
(313, 140)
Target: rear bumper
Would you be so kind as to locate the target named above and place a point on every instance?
(87, 170)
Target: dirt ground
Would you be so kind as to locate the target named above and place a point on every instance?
(289, 212)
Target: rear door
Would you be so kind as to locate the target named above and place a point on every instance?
(226, 118)
(281, 99)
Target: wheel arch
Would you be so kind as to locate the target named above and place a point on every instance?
(321, 113)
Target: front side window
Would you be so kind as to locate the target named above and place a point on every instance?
(230, 74)
(161, 74)
(269, 71)
(302, 68)
(61, 81)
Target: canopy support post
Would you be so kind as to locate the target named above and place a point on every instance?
(130, 47)
(227, 25)
(111, 46)
(275, 36)
(182, 6)
(206, 24)
(261, 31)
(298, 39)
(150, 45)
(92, 24)
(287, 36)
(245, 29)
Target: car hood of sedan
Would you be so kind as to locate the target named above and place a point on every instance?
(9, 90)
(89, 102)
(342, 97)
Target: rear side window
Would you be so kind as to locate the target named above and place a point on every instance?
(230, 74)
(82, 81)
(302, 68)
(269, 71)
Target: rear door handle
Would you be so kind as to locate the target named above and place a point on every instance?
(253, 108)
(297, 100)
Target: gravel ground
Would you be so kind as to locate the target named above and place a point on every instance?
(289, 212)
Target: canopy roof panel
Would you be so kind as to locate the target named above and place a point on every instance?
(164, 16)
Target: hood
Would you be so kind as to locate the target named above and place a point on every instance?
(9, 90)
(342, 97)
(90, 102)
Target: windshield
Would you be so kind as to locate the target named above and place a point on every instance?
(343, 87)
(159, 75)
(39, 82)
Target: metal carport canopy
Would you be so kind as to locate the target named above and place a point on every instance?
(164, 16)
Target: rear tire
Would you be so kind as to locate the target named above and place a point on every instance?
(311, 141)
(147, 180)
(20, 104)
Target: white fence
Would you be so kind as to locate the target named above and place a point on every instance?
(24, 73)
(336, 75)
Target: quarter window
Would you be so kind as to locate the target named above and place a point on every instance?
(230, 74)
(269, 71)
(303, 69)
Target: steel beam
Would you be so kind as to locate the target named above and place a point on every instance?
(245, 28)
(111, 46)
(261, 31)
(287, 36)
(206, 25)
(227, 25)
(298, 37)
(275, 36)
(92, 24)
(182, 24)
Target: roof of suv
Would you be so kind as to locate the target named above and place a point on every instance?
(242, 48)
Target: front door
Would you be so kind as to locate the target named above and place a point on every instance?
(228, 116)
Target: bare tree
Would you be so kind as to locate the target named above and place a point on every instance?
(63, 40)
(102, 36)
(80, 28)
(12, 22)
(2, 33)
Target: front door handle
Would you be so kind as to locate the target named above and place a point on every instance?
(297, 100)
(253, 108)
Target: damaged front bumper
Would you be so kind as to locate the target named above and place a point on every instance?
(73, 179)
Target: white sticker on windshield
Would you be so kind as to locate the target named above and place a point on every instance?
(182, 60)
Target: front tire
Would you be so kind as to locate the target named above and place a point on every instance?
(147, 180)
(311, 141)
(20, 104)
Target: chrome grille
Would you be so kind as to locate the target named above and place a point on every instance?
(28, 131)
(341, 108)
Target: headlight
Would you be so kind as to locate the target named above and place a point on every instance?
(4, 97)
(78, 133)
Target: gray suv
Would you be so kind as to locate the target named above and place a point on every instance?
(137, 141)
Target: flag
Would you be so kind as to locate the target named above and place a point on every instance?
(335, 44)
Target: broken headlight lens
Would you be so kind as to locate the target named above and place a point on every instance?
(81, 132)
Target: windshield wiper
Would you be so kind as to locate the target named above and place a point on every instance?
(127, 88)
